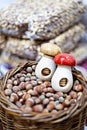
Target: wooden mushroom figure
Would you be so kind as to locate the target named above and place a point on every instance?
(62, 79)
(46, 66)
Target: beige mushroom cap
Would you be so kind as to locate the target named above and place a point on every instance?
(50, 49)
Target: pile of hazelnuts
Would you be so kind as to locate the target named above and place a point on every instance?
(32, 94)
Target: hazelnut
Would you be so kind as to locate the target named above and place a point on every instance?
(33, 74)
(61, 99)
(27, 109)
(51, 90)
(28, 75)
(45, 111)
(9, 81)
(21, 100)
(13, 97)
(68, 97)
(73, 94)
(33, 67)
(37, 101)
(60, 94)
(22, 79)
(24, 92)
(33, 78)
(56, 103)
(38, 88)
(15, 82)
(23, 72)
(45, 101)
(51, 99)
(34, 83)
(47, 83)
(9, 86)
(41, 97)
(34, 93)
(72, 101)
(38, 108)
(39, 81)
(54, 111)
(19, 75)
(18, 104)
(30, 91)
(29, 69)
(8, 92)
(20, 93)
(45, 90)
(59, 106)
(27, 79)
(66, 103)
(49, 94)
(50, 106)
(28, 86)
(15, 89)
(78, 88)
(26, 96)
(29, 102)
(56, 96)
(22, 85)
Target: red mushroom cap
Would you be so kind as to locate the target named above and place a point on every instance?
(65, 59)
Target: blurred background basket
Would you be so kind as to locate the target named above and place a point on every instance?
(14, 119)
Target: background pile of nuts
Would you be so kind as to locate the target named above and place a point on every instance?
(43, 22)
(31, 94)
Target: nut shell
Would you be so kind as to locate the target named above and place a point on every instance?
(50, 49)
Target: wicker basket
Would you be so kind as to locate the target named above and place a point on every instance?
(0, 106)
(14, 119)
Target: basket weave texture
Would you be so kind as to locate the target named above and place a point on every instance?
(14, 119)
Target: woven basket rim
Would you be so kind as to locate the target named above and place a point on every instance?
(60, 116)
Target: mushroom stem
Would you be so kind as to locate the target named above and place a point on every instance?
(62, 79)
(45, 68)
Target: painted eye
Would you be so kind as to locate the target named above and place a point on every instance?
(46, 71)
(45, 68)
(63, 82)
